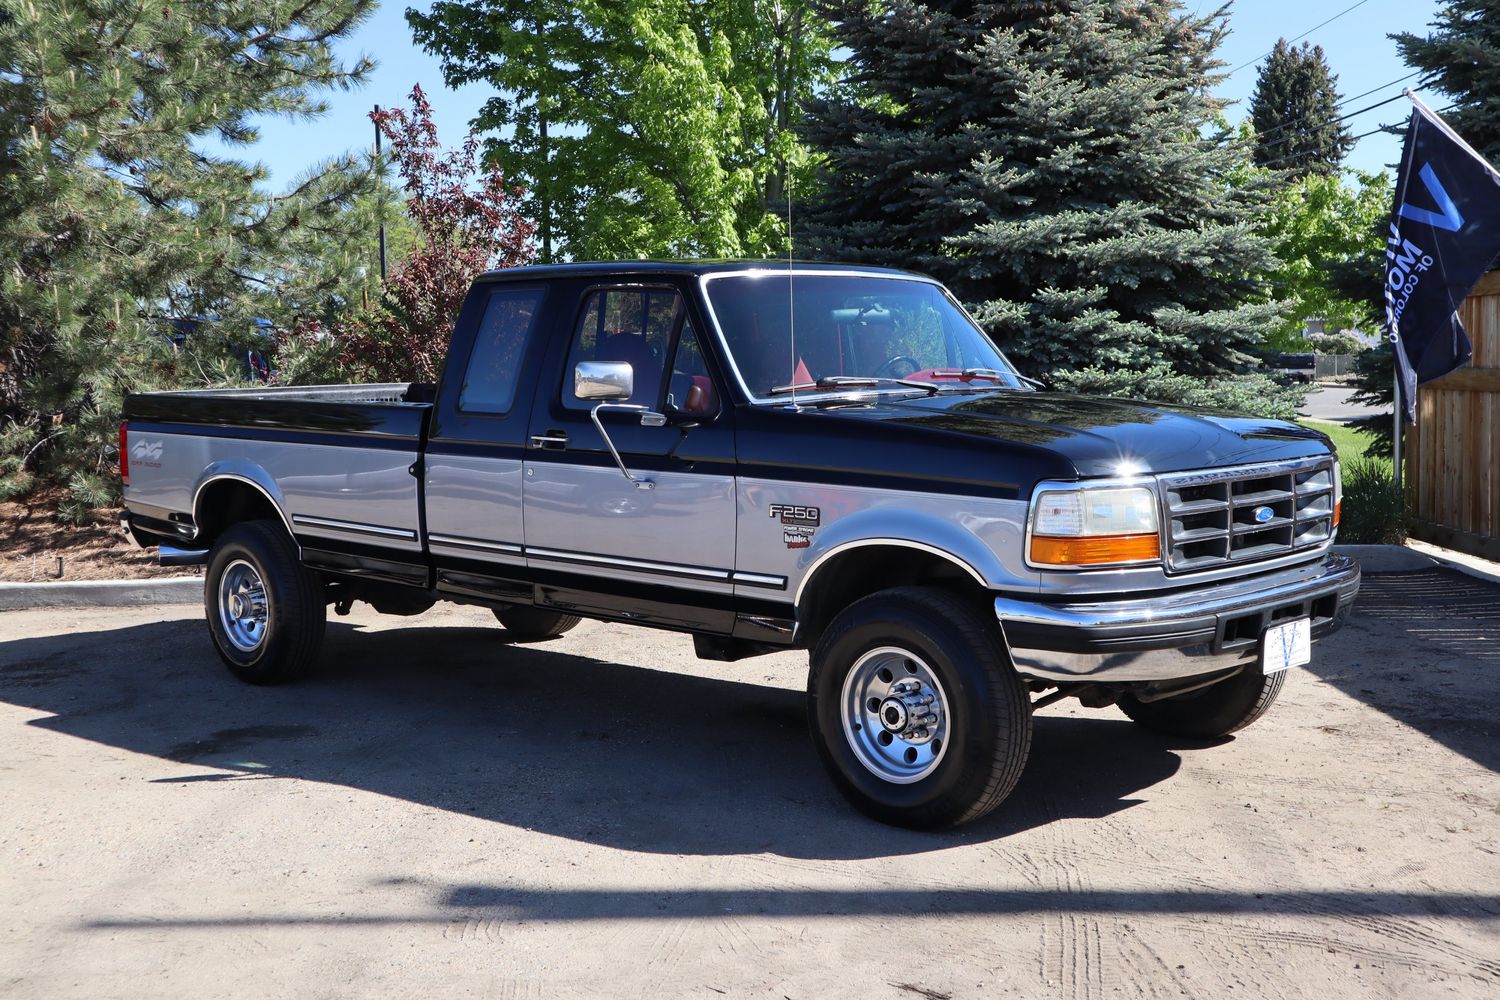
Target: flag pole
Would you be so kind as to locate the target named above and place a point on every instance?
(1398, 423)
(1396, 438)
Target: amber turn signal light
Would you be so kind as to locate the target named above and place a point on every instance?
(1094, 551)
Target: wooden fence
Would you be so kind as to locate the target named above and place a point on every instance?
(1453, 453)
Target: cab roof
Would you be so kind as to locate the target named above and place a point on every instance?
(609, 268)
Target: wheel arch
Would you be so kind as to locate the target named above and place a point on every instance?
(855, 569)
(226, 497)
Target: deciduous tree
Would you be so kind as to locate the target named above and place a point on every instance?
(1318, 226)
(466, 219)
(639, 127)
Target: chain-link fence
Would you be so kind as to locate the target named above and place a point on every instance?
(1333, 365)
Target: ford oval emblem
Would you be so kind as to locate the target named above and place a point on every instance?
(1262, 514)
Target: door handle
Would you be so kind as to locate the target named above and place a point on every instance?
(551, 439)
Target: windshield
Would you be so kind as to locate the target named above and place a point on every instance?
(848, 327)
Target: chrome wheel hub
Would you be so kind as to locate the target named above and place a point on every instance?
(243, 606)
(895, 715)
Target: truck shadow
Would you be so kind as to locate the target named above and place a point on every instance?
(456, 719)
(1427, 655)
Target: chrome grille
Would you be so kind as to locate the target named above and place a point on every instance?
(1219, 516)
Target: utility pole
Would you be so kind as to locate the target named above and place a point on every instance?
(382, 198)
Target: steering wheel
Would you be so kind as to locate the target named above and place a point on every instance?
(880, 370)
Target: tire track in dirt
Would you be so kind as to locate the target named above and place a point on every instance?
(1417, 949)
(1144, 971)
(1071, 946)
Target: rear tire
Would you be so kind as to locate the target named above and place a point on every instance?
(1214, 711)
(916, 710)
(265, 610)
(534, 624)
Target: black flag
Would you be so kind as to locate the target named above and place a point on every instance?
(1445, 234)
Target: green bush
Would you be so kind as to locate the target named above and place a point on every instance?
(1250, 393)
(1375, 509)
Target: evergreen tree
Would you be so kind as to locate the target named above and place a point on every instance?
(118, 216)
(639, 127)
(1294, 110)
(1461, 58)
(1049, 160)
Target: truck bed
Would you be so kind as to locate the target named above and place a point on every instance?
(338, 463)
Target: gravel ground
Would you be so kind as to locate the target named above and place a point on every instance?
(439, 813)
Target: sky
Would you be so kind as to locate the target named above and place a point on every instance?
(1354, 41)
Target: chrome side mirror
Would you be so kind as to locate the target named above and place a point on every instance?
(604, 380)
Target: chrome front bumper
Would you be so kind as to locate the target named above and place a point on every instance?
(1175, 635)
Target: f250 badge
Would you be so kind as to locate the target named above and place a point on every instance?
(798, 523)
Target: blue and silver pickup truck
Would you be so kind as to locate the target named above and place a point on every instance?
(771, 457)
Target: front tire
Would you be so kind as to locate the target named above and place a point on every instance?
(916, 710)
(1214, 711)
(534, 624)
(265, 610)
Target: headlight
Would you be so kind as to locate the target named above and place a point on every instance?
(1094, 526)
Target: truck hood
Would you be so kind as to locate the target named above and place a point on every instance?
(1102, 436)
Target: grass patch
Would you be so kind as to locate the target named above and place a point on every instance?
(1351, 443)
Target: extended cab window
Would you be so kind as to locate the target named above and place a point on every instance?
(633, 325)
(499, 345)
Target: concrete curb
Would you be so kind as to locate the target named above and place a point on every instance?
(101, 593)
(1415, 556)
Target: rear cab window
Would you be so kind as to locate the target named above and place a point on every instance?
(494, 369)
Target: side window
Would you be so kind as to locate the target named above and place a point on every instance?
(633, 325)
(499, 345)
(690, 388)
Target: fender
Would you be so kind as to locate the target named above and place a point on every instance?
(909, 529)
(242, 471)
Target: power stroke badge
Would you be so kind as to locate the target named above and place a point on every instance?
(798, 523)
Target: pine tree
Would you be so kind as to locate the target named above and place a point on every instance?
(1460, 57)
(1294, 110)
(1050, 160)
(117, 217)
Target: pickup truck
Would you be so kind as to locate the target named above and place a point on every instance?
(771, 457)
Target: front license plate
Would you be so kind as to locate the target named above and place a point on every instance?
(1287, 645)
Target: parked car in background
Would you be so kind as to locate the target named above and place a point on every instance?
(250, 350)
(1299, 367)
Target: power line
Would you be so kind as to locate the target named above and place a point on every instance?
(1263, 136)
(1362, 135)
(1379, 88)
(1309, 31)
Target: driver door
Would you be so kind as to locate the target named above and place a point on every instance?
(658, 545)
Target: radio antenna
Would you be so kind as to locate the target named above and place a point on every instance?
(791, 302)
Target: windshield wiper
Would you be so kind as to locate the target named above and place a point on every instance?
(853, 382)
(989, 374)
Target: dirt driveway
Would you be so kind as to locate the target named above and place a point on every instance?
(439, 813)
